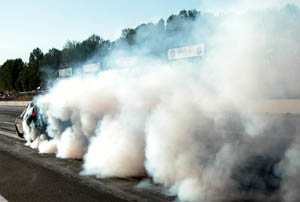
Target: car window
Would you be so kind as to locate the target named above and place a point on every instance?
(24, 111)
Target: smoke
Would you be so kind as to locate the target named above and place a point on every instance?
(244, 5)
(188, 124)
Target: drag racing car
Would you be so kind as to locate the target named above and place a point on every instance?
(31, 124)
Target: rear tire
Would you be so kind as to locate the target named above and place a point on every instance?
(18, 132)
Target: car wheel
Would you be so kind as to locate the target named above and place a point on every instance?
(18, 132)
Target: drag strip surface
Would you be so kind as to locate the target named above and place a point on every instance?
(26, 175)
(8, 115)
(24, 181)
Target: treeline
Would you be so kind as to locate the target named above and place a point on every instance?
(15, 75)
(154, 39)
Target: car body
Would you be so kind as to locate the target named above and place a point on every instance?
(18, 124)
(30, 121)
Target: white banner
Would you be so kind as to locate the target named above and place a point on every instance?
(65, 72)
(95, 67)
(186, 52)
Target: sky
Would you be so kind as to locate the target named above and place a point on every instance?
(27, 24)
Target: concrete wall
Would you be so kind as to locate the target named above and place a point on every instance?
(14, 103)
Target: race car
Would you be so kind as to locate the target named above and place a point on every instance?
(30, 125)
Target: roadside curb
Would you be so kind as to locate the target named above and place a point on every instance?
(14, 103)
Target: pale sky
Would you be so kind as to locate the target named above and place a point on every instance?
(27, 24)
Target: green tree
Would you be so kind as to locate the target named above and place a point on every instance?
(128, 36)
(32, 75)
(89, 47)
(52, 58)
(69, 53)
(9, 73)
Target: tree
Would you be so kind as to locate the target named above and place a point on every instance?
(32, 76)
(35, 58)
(70, 53)
(88, 47)
(9, 73)
(52, 58)
(128, 35)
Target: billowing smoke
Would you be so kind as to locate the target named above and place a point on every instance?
(188, 124)
(244, 5)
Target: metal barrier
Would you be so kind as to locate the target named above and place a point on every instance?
(14, 96)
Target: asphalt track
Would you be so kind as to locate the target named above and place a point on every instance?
(27, 176)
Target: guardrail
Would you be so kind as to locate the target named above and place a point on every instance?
(14, 96)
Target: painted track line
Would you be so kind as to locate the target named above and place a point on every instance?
(12, 135)
(9, 123)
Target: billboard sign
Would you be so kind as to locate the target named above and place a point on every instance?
(95, 67)
(65, 72)
(186, 52)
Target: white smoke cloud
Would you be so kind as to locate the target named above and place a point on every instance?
(184, 123)
(289, 167)
(221, 6)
